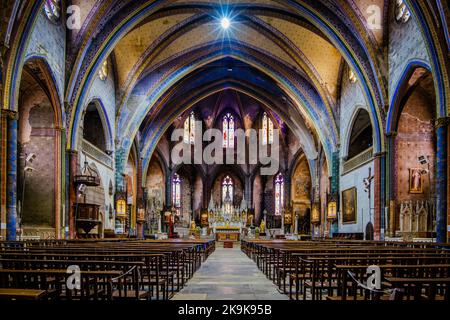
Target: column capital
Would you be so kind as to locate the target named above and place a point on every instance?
(379, 154)
(9, 114)
(391, 134)
(72, 152)
(442, 122)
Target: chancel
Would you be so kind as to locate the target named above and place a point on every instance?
(269, 149)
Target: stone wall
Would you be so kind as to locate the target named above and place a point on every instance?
(352, 100)
(155, 182)
(36, 135)
(48, 41)
(363, 209)
(415, 138)
(406, 44)
(301, 188)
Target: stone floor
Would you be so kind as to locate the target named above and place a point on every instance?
(229, 274)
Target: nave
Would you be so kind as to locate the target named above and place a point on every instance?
(196, 270)
(229, 274)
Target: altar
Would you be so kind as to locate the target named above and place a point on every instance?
(228, 234)
(227, 221)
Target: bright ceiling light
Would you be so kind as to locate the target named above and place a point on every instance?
(225, 23)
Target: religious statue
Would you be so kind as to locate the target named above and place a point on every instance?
(193, 226)
(204, 219)
(262, 227)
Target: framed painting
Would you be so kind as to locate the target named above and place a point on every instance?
(332, 210)
(349, 206)
(315, 213)
(415, 180)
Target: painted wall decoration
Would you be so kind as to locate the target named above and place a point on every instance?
(349, 206)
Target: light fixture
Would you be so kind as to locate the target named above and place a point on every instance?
(422, 159)
(82, 188)
(30, 157)
(28, 169)
(225, 23)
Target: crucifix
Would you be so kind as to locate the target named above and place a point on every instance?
(368, 183)
(367, 188)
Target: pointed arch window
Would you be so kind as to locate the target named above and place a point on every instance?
(189, 129)
(104, 70)
(227, 189)
(402, 13)
(176, 191)
(52, 10)
(228, 131)
(267, 127)
(279, 194)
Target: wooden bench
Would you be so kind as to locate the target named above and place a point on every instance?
(22, 294)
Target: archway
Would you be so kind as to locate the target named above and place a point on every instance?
(361, 136)
(39, 145)
(414, 159)
(301, 195)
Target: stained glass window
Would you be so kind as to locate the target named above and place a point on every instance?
(225, 132)
(352, 76)
(279, 194)
(189, 129)
(264, 128)
(176, 191)
(231, 132)
(228, 131)
(103, 72)
(192, 134)
(52, 10)
(227, 188)
(267, 128)
(402, 13)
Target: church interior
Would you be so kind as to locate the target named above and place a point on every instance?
(275, 149)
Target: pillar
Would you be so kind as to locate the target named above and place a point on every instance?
(73, 167)
(248, 190)
(441, 178)
(379, 181)
(169, 188)
(391, 182)
(334, 227)
(11, 182)
(3, 162)
(205, 193)
(139, 200)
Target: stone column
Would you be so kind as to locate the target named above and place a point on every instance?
(441, 178)
(3, 164)
(11, 183)
(191, 190)
(379, 181)
(248, 190)
(139, 200)
(169, 188)
(334, 227)
(391, 182)
(73, 168)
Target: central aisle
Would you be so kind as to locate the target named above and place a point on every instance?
(229, 274)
